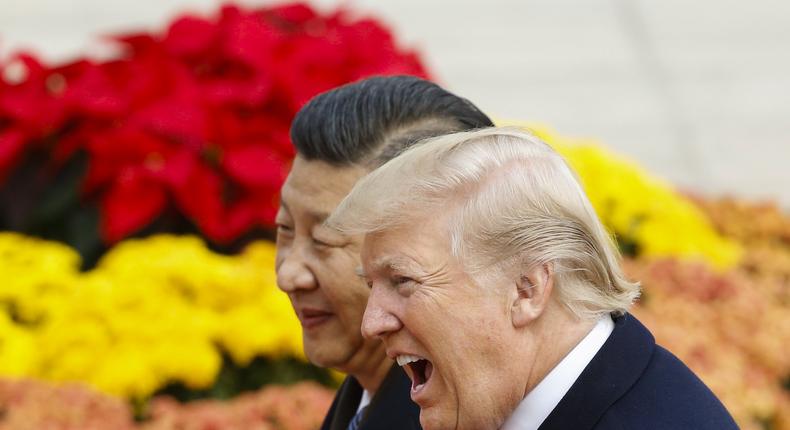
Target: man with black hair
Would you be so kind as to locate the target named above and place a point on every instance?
(340, 136)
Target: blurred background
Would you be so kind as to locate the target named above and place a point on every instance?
(697, 92)
(143, 144)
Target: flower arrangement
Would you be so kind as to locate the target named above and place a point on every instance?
(34, 405)
(184, 130)
(298, 407)
(728, 328)
(731, 328)
(153, 312)
(647, 216)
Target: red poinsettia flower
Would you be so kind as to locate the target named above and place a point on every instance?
(12, 144)
(194, 119)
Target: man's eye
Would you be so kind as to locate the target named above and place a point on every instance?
(402, 281)
(282, 228)
(323, 244)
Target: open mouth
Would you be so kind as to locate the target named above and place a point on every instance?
(419, 370)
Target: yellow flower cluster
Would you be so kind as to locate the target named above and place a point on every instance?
(154, 311)
(640, 209)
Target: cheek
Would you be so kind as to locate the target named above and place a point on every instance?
(347, 293)
(338, 269)
(351, 306)
(469, 348)
(279, 257)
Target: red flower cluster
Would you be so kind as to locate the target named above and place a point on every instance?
(196, 118)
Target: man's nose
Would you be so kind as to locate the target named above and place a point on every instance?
(293, 272)
(378, 320)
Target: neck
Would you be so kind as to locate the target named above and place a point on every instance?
(556, 334)
(369, 365)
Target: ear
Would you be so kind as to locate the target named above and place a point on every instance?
(533, 291)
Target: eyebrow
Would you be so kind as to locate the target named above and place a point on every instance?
(398, 264)
(318, 216)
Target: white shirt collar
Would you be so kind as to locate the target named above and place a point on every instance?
(364, 401)
(539, 403)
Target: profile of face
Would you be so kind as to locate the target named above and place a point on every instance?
(317, 266)
(451, 334)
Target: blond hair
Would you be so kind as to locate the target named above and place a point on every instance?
(512, 200)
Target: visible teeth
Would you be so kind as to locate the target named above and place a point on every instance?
(406, 359)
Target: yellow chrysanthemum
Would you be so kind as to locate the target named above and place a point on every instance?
(17, 349)
(640, 209)
(154, 311)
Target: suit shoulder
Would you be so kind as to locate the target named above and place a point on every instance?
(668, 395)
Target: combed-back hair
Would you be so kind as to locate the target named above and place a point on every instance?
(371, 121)
(512, 203)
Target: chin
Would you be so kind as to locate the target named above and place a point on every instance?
(432, 419)
(317, 355)
(326, 356)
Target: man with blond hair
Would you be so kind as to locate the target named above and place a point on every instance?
(496, 288)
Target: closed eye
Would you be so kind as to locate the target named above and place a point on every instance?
(399, 281)
(404, 285)
(322, 244)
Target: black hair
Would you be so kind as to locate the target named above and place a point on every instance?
(373, 120)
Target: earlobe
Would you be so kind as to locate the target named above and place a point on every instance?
(533, 290)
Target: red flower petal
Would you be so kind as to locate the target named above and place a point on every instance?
(132, 203)
(190, 36)
(90, 90)
(201, 112)
(200, 196)
(11, 144)
(235, 220)
(298, 13)
(250, 39)
(255, 166)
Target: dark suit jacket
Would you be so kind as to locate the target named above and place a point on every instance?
(632, 383)
(390, 408)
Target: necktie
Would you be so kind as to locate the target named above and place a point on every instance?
(354, 424)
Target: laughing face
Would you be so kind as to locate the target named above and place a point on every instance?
(316, 266)
(450, 334)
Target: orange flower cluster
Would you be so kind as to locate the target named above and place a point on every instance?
(35, 405)
(298, 407)
(765, 230)
(733, 328)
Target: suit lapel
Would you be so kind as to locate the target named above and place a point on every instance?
(613, 370)
(345, 405)
(391, 407)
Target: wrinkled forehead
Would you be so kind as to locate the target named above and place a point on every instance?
(415, 247)
(390, 263)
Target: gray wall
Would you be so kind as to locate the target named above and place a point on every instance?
(696, 91)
